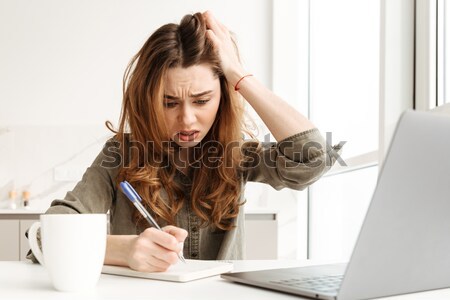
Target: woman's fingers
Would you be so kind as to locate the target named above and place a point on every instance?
(213, 24)
(223, 43)
(166, 244)
(164, 255)
(151, 264)
(210, 35)
(162, 238)
(159, 264)
(156, 250)
(179, 233)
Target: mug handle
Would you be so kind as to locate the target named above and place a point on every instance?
(32, 241)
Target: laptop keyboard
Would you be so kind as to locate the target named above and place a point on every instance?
(328, 284)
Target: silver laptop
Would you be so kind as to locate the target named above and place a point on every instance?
(404, 242)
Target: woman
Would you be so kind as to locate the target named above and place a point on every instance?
(180, 145)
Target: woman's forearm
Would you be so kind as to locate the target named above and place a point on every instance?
(117, 249)
(281, 118)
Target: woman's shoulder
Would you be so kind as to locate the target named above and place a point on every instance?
(110, 156)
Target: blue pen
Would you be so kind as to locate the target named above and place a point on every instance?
(134, 197)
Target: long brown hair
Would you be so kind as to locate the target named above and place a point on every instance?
(216, 186)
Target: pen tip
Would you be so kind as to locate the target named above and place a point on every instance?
(182, 258)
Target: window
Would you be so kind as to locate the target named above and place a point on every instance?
(353, 65)
(338, 205)
(344, 73)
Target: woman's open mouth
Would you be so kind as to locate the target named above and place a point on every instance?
(187, 136)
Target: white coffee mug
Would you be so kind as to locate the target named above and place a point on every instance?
(73, 248)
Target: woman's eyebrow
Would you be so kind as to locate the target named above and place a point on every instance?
(170, 97)
(201, 94)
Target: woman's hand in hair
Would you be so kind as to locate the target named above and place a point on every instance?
(280, 117)
(154, 250)
(225, 46)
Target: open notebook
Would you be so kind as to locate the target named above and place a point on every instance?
(192, 270)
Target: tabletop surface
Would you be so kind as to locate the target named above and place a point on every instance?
(24, 280)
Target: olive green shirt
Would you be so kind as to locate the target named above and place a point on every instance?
(296, 162)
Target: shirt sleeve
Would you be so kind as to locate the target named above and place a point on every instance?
(295, 162)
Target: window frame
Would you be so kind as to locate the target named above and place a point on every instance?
(430, 57)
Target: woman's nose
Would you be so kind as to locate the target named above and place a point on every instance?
(187, 116)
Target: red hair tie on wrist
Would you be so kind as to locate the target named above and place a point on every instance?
(236, 87)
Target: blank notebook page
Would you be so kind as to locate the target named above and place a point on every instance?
(192, 270)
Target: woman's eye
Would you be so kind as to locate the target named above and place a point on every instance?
(201, 101)
(170, 104)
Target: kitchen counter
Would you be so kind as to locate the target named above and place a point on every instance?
(20, 213)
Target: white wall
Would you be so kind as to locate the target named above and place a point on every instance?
(62, 61)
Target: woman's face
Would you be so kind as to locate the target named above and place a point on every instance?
(191, 101)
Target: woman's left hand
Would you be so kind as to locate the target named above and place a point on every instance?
(225, 46)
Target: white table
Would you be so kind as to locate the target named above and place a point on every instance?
(24, 280)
